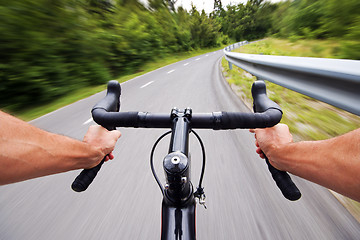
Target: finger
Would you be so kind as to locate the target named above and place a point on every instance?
(262, 155)
(257, 143)
(252, 130)
(258, 150)
(111, 156)
(116, 134)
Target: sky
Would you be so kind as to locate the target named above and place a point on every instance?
(207, 5)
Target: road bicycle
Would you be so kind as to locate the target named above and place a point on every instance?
(179, 196)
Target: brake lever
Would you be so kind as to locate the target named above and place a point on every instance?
(200, 195)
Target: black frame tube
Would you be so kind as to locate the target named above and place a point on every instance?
(178, 222)
(178, 205)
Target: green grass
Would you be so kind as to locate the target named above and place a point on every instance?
(37, 111)
(307, 118)
(300, 48)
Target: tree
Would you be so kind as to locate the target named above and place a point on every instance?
(218, 9)
(171, 4)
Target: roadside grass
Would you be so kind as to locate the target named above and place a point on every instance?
(83, 92)
(307, 118)
(299, 48)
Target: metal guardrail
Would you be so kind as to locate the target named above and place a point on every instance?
(235, 45)
(334, 81)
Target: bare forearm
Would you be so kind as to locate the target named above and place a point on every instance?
(28, 152)
(333, 163)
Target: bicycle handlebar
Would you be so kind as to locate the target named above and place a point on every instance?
(267, 114)
(105, 114)
(112, 103)
(281, 178)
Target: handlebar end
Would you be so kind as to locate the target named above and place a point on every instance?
(113, 86)
(258, 87)
(111, 102)
(284, 182)
(78, 187)
(261, 101)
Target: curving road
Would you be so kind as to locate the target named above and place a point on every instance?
(124, 201)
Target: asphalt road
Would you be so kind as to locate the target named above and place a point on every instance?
(124, 201)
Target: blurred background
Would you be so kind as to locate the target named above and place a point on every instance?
(50, 48)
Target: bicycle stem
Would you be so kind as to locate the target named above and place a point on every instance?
(176, 164)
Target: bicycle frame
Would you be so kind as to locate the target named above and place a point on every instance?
(178, 222)
(178, 206)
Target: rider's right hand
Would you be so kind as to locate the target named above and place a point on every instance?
(270, 141)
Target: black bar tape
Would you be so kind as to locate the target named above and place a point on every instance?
(85, 178)
(233, 120)
(284, 183)
(150, 120)
(115, 119)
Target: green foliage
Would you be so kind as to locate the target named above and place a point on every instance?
(49, 48)
(320, 19)
(204, 31)
(43, 57)
(244, 21)
(350, 48)
(316, 18)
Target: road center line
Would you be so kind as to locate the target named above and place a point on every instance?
(206, 55)
(186, 64)
(88, 121)
(170, 71)
(147, 84)
(197, 59)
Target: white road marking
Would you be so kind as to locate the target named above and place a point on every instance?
(145, 85)
(170, 71)
(206, 55)
(197, 59)
(88, 121)
(186, 64)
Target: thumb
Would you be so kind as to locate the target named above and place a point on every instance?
(116, 134)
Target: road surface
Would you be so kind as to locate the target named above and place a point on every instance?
(124, 201)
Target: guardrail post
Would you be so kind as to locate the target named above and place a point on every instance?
(230, 65)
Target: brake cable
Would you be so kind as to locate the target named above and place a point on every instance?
(199, 193)
(152, 161)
